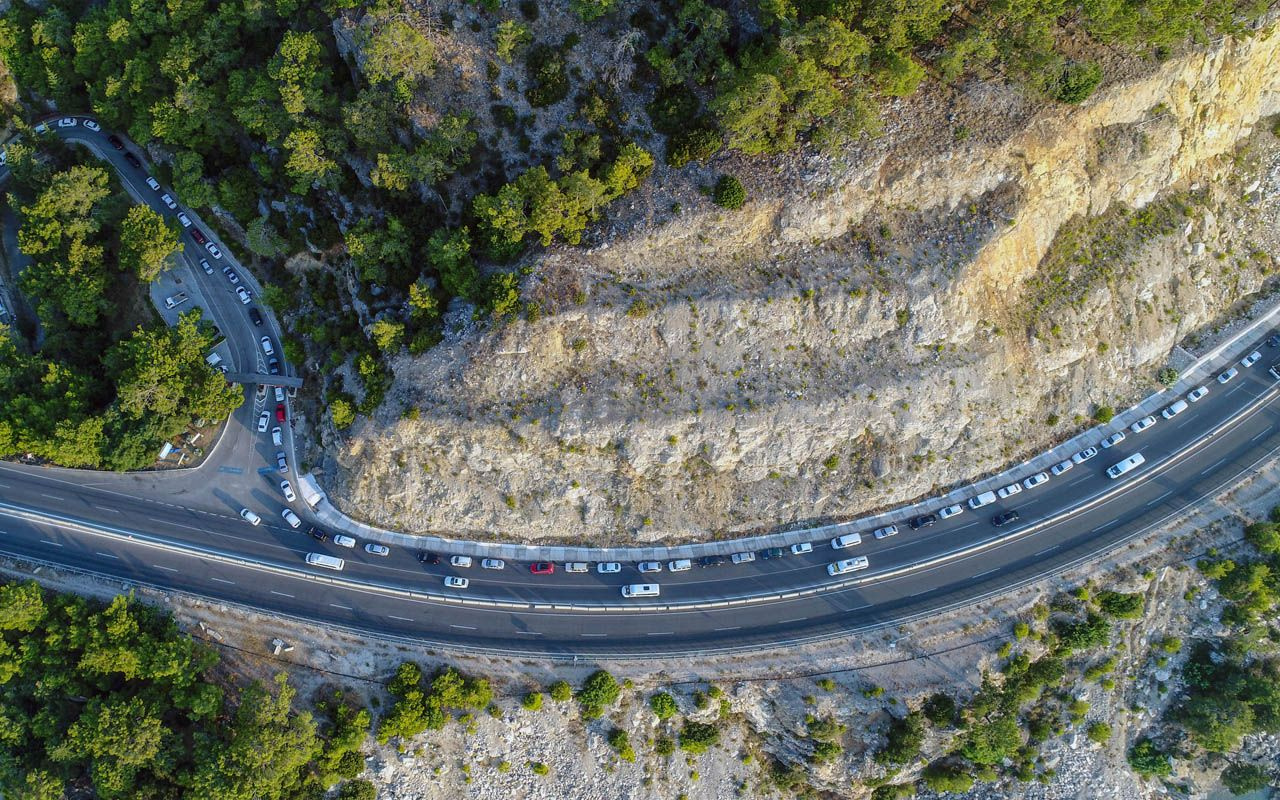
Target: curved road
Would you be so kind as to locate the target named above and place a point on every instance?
(181, 531)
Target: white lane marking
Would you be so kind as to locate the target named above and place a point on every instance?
(1184, 423)
(55, 544)
(1161, 497)
(405, 619)
(463, 627)
(223, 580)
(794, 619)
(1262, 435)
(162, 566)
(529, 633)
(5, 486)
(593, 634)
(1213, 466)
(107, 555)
(962, 527)
(344, 608)
(662, 633)
(50, 496)
(282, 594)
(988, 572)
(104, 508)
(1100, 527)
(730, 628)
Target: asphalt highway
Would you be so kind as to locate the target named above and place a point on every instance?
(181, 530)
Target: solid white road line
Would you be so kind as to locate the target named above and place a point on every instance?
(344, 608)
(55, 544)
(1100, 527)
(663, 633)
(403, 619)
(1262, 435)
(463, 627)
(282, 594)
(1213, 466)
(223, 580)
(50, 496)
(730, 628)
(593, 634)
(104, 508)
(162, 566)
(107, 555)
(529, 633)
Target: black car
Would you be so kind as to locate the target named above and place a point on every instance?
(273, 366)
(1004, 518)
(1274, 340)
(256, 317)
(428, 557)
(115, 142)
(133, 160)
(712, 561)
(923, 521)
(771, 552)
(317, 534)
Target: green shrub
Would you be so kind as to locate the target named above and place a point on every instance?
(1103, 414)
(826, 684)
(1120, 605)
(532, 701)
(548, 76)
(663, 705)
(825, 751)
(1078, 81)
(358, 790)
(560, 691)
(1167, 376)
(1245, 778)
(1148, 761)
(664, 746)
(1099, 732)
(940, 709)
(598, 692)
(693, 143)
(946, 777)
(729, 193)
(620, 741)
(698, 737)
(902, 740)
(539, 768)
(1021, 630)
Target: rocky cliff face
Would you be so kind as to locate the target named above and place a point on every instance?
(865, 331)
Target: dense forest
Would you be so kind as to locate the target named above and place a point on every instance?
(335, 126)
(114, 698)
(99, 380)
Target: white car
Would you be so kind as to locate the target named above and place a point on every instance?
(848, 540)
(43, 127)
(492, 563)
(213, 249)
(250, 517)
(93, 126)
(649, 566)
(1061, 467)
(279, 394)
(342, 540)
(291, 518)
(576, 566)
(460, 561)
(886, 531)
(608, 567)
(680, 565)
(742, 558)
(1035, 480)
(266, 346)
(244, 295)
(951, 511)
(1174, 410)
(1228, 375)
(1112, 440)
(1142, 424)
(1008, 491)
(204, 265)
(184, 219)
(277, 436)
(1084, 455)
(1196, 394)
(375, 549)
(801, 548)
(264, 419)
(454, 582)
(286, 489)
(1251, 359)
(67, 122)
(168, 201)
(847, 565)
(231, 275)
(153, 183)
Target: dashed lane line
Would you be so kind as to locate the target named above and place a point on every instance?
(529, 633)
(51, 496)
(108, 555)
(463, 627)
(282, 594)
(344, 608)
(1213, 466)
(594, 635)
(402, 619)
(661, 633)
(55, 544)
(1161, 497)
(163, 567)
(730, 628)
(104, 508)
(223, 580)
(1103, 526)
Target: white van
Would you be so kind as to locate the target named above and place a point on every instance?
(847, 565)
(173, 301)
(848, 540)
(213, 359)
(986, 498)
(640, 590)
(343, 541)
(322, 560)
(1118, 469)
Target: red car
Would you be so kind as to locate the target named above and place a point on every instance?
(542, 568)
(198, 236)
(279, 412)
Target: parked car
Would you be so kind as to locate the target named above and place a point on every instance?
(923, 521)
(951, 511)
(317, 534)
(184, 219)
(263, 420)
(342, 540)
(213, 249)
(244, 295)
(1142, 424)
(168, 201)
(649, 566)
(742, 558)
(375, 549)
(154, 184)
(250, 517)
(280, 415)
(1112, 440)
(800, 548)
(1197, 393)
(93, 126)
(255, 316)
(277, 436)
(267, 348)
(281, 463)
(848, 540)
(577, 566)
(279, 393)
(461, 562)
(1251, 359)
(428, 557)
(1035, 480)
(712, 561)
(173, 301)
(198, 235)
(847, 565)
(130, 158)
(680, 565)
(273, 366)
(1004, 518)
(1174, 410)
(1061, 467)
(115, 142)
(542, 568)
(204, 265)
(770, 553)
(286, 489)
(1084, 455)
(492, 563)
(67, 122)
(231, 275)
(1006, 492)
(454, 582)
(886, 531)
(608, 567)
(1228, 375)
(290, 518)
